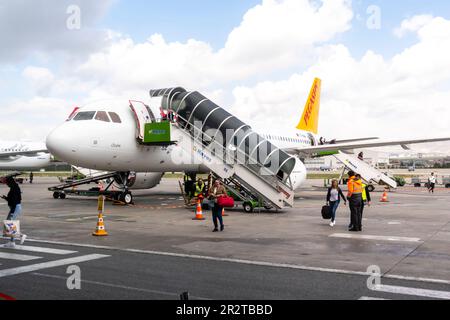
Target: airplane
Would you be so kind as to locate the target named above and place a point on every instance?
(102, 136)
(17, 155)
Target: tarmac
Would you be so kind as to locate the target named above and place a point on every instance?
(155, 250)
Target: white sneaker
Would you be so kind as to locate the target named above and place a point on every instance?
(22, 238)
(331, 224)
(10, 244)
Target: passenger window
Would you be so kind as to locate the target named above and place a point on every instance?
(115, 117)
(102, 116)
(86, 115)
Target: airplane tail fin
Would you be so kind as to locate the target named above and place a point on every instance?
(310, 117)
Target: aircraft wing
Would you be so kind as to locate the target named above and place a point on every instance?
(354, 140)
(329, 149)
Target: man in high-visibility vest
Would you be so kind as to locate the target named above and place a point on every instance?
(365, 196)
(199, 188)
(354, 197)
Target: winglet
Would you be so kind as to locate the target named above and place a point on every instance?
(310, 117)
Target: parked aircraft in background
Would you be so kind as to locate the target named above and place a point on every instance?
(17, 155)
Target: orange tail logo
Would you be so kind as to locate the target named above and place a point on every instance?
(310, 118)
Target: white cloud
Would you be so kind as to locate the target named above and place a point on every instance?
(40, 27)
(407, 96)
(32, 119)
(273, 36)
(41, 79)
(280, 34)
(412, 25)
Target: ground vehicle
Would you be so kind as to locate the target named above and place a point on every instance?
(69, 188)
(244, 197)
(400, 181)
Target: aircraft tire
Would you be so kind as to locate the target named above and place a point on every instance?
(55, 195)
(126, 197)
(62, 195)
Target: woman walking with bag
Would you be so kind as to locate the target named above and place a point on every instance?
(333, 199)
(14, 199)
(218, 190)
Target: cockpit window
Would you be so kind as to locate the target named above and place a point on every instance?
(115, 117)
(85, 115)
(102, 116)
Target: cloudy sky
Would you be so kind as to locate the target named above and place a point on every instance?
(384, 65)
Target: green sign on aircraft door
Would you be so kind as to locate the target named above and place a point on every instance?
(157, 132)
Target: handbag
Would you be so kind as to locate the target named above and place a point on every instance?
(11, 228)
(225, 202)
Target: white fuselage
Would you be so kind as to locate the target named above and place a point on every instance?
(112, 146)
(23, 162)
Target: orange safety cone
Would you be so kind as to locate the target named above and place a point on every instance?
(100, 229)
(199, 212)
(223, 213)
(384, 197)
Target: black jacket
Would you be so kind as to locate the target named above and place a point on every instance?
(14, 196)
(339, 194)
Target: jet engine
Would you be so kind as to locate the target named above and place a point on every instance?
(298, 175)
(143, 180)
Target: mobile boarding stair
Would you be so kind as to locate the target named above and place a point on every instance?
(244, 196)
(229, 148)
(367, 172)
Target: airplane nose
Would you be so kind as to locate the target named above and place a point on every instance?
(59, 145)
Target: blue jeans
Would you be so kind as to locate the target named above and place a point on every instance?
(13, 215)
(217, 215)
(333, 206)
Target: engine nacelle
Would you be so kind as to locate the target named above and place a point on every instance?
(144, 180)
(298, 175)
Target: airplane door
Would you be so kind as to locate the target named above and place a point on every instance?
(142, 115)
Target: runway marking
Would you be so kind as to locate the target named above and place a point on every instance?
(43, 250)
(158, 208)
(119, 286)
(371, 298)
(82, 218)
(369, 237)
(260, 263)
(18, 257)
(412, 291)
(50, 264)
(420, 279)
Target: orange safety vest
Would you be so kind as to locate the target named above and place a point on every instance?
(354, 186)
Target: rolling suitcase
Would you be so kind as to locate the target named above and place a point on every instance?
(326, 212)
